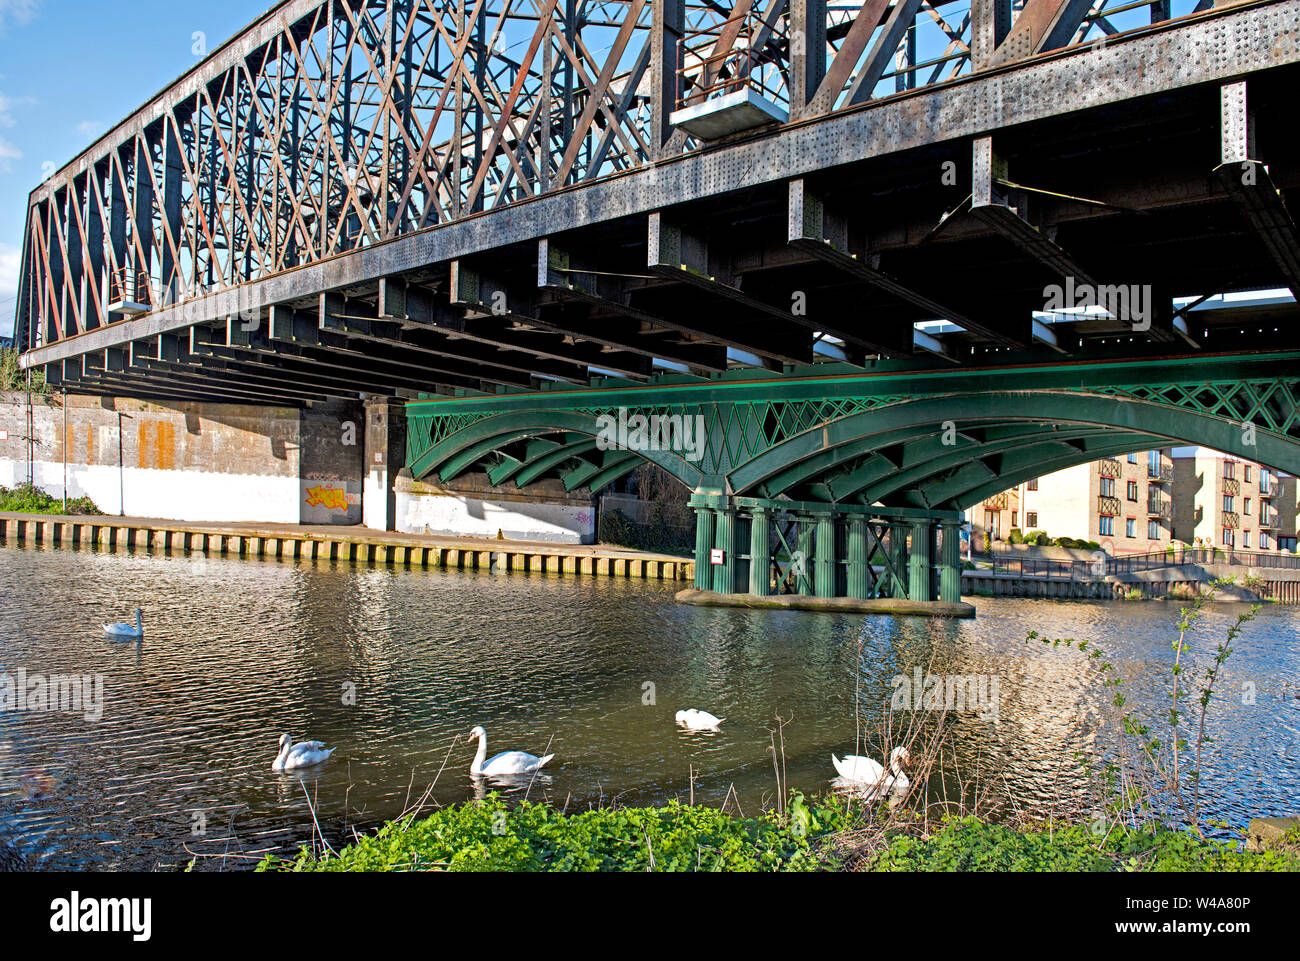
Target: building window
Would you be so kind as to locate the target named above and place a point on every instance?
(1245, 506)
(1227, 502)
(1108, 487)
(1105, 525)
(1032, 485)
(1229, 469)
(1014, 518)
(1245, 473)
(1153, 463)
(1245, 538)
(1130, 527)
(1133, 490)
(1132, 458)
(1227, 537)
(1031, 518)
(1153, 530)
(1263, 541)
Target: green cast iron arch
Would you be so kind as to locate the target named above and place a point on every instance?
(1166, 423)
(464, 447)
(970, 496)
(1030, 445)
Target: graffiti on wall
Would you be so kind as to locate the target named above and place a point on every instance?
(330, 498)
(330, 502)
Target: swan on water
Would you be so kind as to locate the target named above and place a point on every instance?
(304, 754)
(865, 772)
(507, 762)
(122, 629)
(694, 720)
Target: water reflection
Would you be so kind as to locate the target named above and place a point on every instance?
(392, 667)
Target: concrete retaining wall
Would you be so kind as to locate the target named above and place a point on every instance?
(472, 508)
(188, 461)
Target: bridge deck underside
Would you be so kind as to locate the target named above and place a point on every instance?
(1136, 168)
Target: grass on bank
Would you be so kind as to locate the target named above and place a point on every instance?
(29, 499)
(490, 835)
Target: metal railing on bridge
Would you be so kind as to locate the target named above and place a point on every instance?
(1022, 565)
(1200, 557)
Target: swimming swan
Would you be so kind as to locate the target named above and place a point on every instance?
(305, 754)
(694, 720)
(866, 772)
(507, 762)
(122, 629)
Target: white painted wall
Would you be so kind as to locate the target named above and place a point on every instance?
(472, 517)
(167, 494)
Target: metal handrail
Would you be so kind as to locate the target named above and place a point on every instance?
(1199, 557)
(692, 57)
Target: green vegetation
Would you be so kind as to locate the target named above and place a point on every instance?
(12, 377)
(661, 535)
(28, 499)
(970, 844)
(1043, 539)
(1149, 780)
(491, 836)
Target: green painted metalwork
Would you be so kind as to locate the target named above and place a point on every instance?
(927, 440)
(949, 563)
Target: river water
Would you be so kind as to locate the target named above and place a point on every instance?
(393, 667)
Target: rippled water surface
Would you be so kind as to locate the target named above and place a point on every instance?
(238, 652)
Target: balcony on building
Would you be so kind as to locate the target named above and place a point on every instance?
(1159, 507)
(1109, 467)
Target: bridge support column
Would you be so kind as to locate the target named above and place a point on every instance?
(858, 583)
(919, 586)
(703, 545)
(803, 544)
(385, 456)
(824, 562)
(724, 539)
(898, 552)
(950, 562)
(760, 553)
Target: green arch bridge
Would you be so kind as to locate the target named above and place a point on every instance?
(864, 475)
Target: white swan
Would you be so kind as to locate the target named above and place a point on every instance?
(694, 720)
(865, 772)
(304, 754)
(507, 762)
(122, 629)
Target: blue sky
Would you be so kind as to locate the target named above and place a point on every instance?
(69, 70)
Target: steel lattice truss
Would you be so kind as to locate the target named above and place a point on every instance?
(333, 126)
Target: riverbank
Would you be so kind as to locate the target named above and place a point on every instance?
(821, 835)
(355, 544)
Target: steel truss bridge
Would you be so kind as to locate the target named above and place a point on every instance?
(855, 242)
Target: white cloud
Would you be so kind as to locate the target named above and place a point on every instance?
(90, 129)
(8, 154)
(7, 105)
(10, 266)
(19, 11)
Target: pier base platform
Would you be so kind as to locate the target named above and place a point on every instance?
(806, 602)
